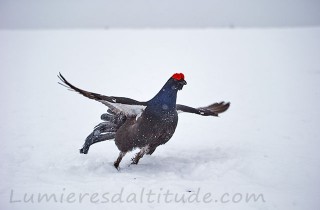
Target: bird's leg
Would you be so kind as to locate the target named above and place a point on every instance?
(117, 162)
(140, 154)
(136, 158)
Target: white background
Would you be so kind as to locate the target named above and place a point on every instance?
(266, 143)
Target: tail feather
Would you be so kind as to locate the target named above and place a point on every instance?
(104, 131)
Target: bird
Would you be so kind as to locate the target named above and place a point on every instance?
(143, 125)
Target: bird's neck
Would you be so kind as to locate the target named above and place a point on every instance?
(166, 98)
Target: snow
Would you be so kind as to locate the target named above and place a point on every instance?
(267, 142)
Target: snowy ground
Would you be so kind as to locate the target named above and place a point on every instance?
(267, 143)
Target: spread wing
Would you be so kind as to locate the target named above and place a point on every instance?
(131, 107)
(211, 110)
(127, 106)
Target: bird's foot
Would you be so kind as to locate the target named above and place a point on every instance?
(117, 162)
(140, 154)
(134, 160)
(116, 165)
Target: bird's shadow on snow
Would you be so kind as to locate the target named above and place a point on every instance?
(196, 164)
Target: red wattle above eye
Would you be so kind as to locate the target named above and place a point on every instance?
(178, 76)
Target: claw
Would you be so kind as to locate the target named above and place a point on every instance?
(116, 165)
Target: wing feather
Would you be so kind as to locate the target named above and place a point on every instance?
(127, 106)
(211, 110)
(131, 107)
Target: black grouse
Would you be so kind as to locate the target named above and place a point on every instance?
(145, 125)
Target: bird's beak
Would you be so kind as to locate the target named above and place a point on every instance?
(183, 82)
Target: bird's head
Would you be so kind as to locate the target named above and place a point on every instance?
(178, 81)
(168, 93)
